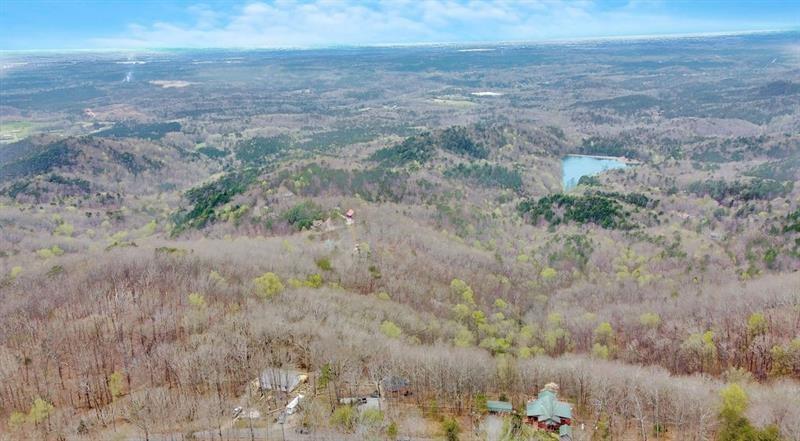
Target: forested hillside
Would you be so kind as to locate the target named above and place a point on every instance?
(403, 242)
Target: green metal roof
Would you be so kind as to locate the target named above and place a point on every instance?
(547, 408)
(565, 430)
(499, 406)
(563, 410)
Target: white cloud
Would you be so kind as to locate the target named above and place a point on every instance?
(314, 23)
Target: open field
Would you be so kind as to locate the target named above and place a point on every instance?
(12, 131)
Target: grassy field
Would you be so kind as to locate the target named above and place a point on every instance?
(13, 131)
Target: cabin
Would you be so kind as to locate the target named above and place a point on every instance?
(278, 379)
(546, 412)
(499, 407)
(396, 386)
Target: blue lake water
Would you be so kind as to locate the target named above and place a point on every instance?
(573, 167)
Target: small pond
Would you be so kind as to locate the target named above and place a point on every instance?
(575, 166)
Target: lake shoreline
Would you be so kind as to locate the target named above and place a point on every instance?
(622, 159)
(574, 167)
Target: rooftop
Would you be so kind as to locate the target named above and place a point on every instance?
(548, 409)
(285, 380)
(499, 406)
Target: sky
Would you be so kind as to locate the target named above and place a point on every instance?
(153, 24)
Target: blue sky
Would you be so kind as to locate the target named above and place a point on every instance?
(143, 24)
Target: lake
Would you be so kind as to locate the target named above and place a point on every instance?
(575, 166)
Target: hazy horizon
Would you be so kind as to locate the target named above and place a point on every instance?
(457, 44)
(177, 24)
